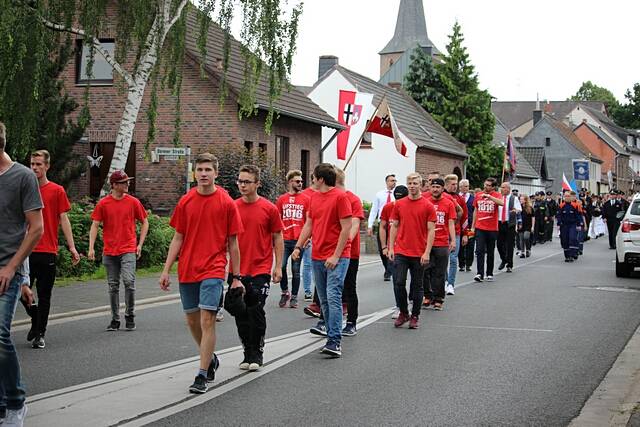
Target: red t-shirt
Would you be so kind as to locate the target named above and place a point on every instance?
(325, 211)
(309, 192)
(460, 202)
(205, 222)
(356, 212)
(385, 215)
(293, 211)
(445, 210)
(55, 203)
(118, 219)
(486, 212)
(260, 220)
(413, 215)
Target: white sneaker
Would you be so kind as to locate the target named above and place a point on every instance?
(220, 316)
(15, 418)
(449, 290)
(489, 278)
(396, 313)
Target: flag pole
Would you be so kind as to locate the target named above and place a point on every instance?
(362, 135)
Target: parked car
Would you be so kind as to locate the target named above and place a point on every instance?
(628, 240)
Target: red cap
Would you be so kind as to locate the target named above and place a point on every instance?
(119, 176)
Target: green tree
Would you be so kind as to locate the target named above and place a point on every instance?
(422, 82)
(153, 31)
(628, 114)
(453, 97)
(589, 91)
(33, 106)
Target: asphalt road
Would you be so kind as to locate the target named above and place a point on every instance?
(528, 349)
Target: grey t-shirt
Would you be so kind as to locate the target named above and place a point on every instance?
(19, 193)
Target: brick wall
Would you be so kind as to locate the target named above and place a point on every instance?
(204, 124)
(429, 161)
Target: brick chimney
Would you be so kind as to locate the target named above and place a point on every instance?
(325, 63)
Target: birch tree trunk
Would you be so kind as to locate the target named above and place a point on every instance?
(137, 84)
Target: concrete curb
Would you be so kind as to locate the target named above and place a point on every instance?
(146, 301)
(613, 402)
(103, 308)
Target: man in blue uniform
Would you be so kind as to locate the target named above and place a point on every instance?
(569, 219)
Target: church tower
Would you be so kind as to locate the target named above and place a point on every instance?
(411, 30)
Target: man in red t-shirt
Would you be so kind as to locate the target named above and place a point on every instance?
(485, 227)
(293, 206)
(42, 261)
(118, 213)
(451, 189)
(207, 222)
(412, 233)
(329, 222)
(443, 243)
(261, 238)
(400, 192)
(350, 294)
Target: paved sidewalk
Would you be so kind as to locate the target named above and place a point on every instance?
(92, 295)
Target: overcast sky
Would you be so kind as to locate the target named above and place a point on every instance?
(518, 47)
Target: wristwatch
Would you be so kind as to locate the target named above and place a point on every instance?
(236, 277)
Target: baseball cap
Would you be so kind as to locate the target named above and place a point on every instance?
(437, 181)
(119, 176)
(400, 191)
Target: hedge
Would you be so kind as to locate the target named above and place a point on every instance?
(154, 250)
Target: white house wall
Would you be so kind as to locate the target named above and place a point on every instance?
(366, 171)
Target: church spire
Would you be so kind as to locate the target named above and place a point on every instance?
(411, 28)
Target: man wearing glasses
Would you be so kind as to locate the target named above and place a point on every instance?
(293, 206)
(118, 213)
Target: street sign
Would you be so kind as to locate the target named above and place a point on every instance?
(171, 151)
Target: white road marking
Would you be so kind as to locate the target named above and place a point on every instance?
(147, 395)
(492, 328)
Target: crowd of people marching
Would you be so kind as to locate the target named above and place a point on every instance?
(428, 230)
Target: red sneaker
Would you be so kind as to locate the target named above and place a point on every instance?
(401, 320)
(414, 323)
(426, 302)
(312, 310)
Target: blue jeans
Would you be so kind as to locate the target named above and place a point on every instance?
(289, 246)
(329, 285)
(307, 269)
(12, 393)
(453, 263)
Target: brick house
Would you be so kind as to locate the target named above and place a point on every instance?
(614, 157)
(293, 143)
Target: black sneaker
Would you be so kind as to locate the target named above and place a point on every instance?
(213, 367)
(349, 330)
(478, 278)
(332, 349)
(38, 342)
(509, 270)
(114, 325)
(33, 332)
(130, 324)
(501, 266)
(199, 385)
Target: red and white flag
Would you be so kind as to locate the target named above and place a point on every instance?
(383, 123)
(349, 114)
(566, 186)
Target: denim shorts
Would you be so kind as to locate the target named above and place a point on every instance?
(204, 295)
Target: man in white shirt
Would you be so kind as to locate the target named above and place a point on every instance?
(507, 222)
(382, 198)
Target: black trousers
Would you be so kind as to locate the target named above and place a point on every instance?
(548, 230)
(403, 264)
(612, 228)
(252, 325)
(435, 272)
(385, 260)
(349, 292)
(485, 246)
(506, 240)
(42, 275)
(467, 253)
